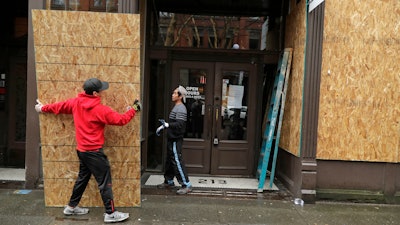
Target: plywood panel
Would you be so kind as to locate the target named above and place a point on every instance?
(294, 38)
(73, 72)
(69, 28)
(359, 116)
(86, 55)
(68, 169)
(51, 153)
(71, 47)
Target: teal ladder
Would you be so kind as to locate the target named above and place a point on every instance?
(277, 102)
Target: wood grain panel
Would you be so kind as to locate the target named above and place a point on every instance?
(71, 47)
(294, 38)
(69, 28)
(68, 153)
(359, 116)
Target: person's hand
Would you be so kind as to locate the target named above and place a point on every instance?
(165, 124)
(137, 106)
(159, 129)
(38, 106)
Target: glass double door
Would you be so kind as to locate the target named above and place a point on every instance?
(220, 133)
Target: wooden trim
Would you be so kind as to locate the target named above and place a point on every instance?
(32, 155)
(311, 90)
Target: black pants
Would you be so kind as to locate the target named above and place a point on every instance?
(96, 163)
(174, 164)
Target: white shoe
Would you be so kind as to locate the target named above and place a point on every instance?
(75, 211)
(115, 217)
(184, 190)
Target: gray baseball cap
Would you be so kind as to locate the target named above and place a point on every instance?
(94, 84)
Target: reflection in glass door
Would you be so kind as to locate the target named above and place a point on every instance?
(196, 78)
(233, 123)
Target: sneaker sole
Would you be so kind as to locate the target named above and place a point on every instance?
(115, 221)
(71, 214)
(183, 193)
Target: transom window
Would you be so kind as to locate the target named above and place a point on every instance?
(84, 5)
(202, 31)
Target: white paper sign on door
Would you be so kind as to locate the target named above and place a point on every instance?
(235, 96)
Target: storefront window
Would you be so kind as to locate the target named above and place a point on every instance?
(85, 5)
(213, 32)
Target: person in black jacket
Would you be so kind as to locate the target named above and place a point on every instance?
(176, 127)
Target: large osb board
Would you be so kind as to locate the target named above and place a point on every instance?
(359, 117)
(71, 47)
(295, 33)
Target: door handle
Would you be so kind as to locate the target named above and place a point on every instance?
(216, 114)
(216, 124)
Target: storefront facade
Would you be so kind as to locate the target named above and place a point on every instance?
(224, 133)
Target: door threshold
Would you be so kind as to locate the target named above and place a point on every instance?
(12, 174)
(209, 182)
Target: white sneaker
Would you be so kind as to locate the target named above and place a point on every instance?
(115, 217)
(184, 190)
(75, 211)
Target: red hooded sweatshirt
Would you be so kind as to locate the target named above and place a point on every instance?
(90, 118)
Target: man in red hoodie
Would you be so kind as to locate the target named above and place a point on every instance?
(90, 118)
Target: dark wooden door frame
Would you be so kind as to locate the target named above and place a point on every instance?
(246, 148)
(16, 112)
(202, 156)
(257, 58)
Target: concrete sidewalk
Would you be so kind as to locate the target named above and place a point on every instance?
(18, 208)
